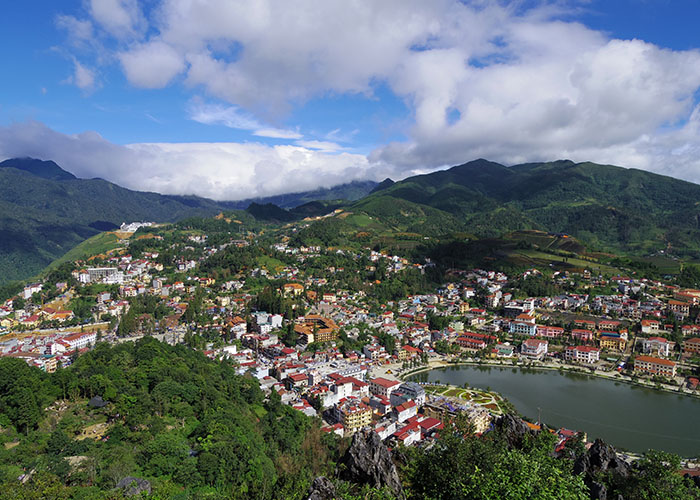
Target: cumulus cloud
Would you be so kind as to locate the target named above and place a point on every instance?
(151, 65)
(489, 79)
(222, 171)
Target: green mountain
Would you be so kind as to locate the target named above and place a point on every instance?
(45, 211)
(350, 191)
(604, 206)
(40, 168)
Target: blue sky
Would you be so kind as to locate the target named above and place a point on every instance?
(254, 98)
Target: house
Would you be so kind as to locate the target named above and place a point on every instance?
(613, 341)
(503, 350)
(655, 366)
(382, 386)
(470, 344)
(608, 325)
(582, 354)
(679, 309)
(691, 346)
(292, 289)
(651, 327)
(534, 348)
(405, 411)
(414, 391)
(353, 414)
(657, 346)
(550, 332)
(523, 328)
(582, 335)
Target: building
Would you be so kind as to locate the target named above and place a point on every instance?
(679, 309)
(405, 411)
(657, 346)
(608, 325)
(383, 387)
(79, 340)
(470, 343)
(613, 341)
(523, 328)
(550, 332)
(691, 346)
(414, 391)
(582, 335)
(534, 348)
(292, 289)
(582, 354)
(655, 366)
(353, 414)
(651, 327)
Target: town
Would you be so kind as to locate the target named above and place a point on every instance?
(339, 334)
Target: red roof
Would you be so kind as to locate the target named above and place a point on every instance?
(386, 383)
(658, 361)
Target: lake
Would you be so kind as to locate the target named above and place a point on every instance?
(626, 416)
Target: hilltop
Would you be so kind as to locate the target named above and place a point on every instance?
(605, 206)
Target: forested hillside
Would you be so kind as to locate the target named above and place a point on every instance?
(607, 207)
(190, 428)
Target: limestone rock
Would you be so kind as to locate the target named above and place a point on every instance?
(322, 489)
(368, 461)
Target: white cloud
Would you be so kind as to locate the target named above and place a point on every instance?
(233, 117)
(223, 171)
(327, 146)
(79, 31)
(490, 79)
(277, 133)
(83, 77)
(122, 19)
(151, 65)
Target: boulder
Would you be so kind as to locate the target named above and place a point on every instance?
(134, 486)
(600, 458)
(322, 489)
(368, 461)
(513, 429)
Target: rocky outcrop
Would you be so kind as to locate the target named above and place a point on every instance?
(600, 458)
(513, 430)
(322, 489)
(368, 461)
(134, 486)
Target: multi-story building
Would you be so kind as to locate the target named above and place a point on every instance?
(353, 414)
(382, 386)
(691, 346)
(655, 366)
(582, 354)
(550, 332)
(534, 348)
(582, 335)
(523, 328)
(613, 341)
(658, 346)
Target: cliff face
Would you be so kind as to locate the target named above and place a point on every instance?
(368, 461)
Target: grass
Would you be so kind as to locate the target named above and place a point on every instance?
(98, 244)
(542, 258)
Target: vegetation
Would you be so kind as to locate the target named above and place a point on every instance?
(174, 416)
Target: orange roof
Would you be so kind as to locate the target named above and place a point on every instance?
(658, 361)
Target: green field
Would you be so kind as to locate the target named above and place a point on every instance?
(100, 243)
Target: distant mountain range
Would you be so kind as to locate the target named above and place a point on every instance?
(604, 206)
(45, 211)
